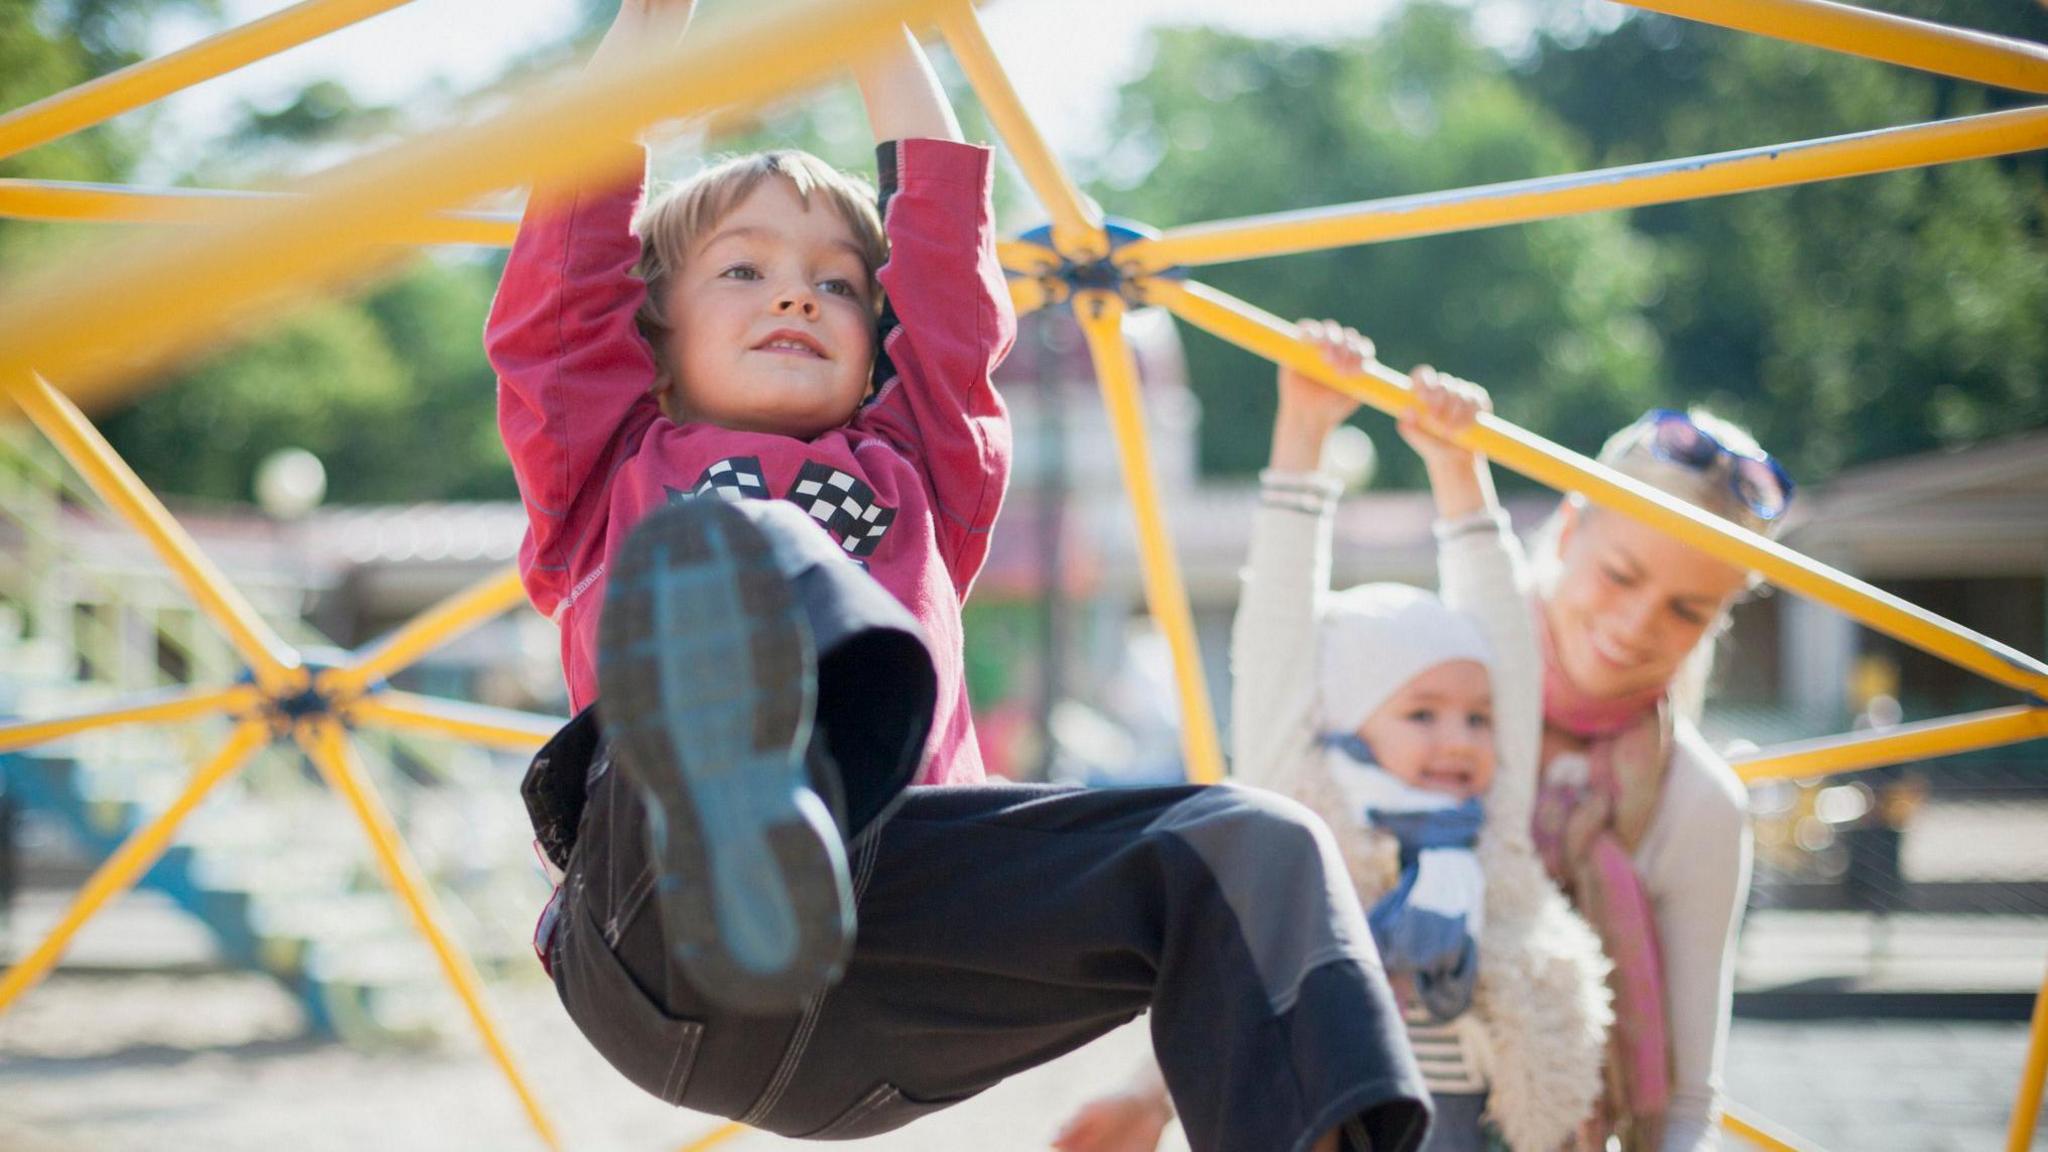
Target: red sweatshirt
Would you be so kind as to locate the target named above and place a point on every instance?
(910, 486)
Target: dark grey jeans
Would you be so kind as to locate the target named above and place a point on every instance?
(999, 927)
(1002, 926)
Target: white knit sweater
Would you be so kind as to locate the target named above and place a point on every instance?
(1541, 1004)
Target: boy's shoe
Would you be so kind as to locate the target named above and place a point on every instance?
(707, 682)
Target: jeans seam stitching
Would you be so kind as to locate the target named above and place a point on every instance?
(800, 1041)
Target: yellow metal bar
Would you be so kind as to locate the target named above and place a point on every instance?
(1076, 221)
(274, 664)
(1033, 280)
(1030, 294)
(1958, 52)
(62, 201)
(455, 720)
(128, 863)
(152, 708)
(2026, 1110)
(1632, 186)
(1761, 1133)
(1566, 471)
(70, 201)
(427, 631)
(1101, 315)
(1920, 741)
(182, 287)
(719, 1135)
(132, 87)
(327, 745)
(1014, 255)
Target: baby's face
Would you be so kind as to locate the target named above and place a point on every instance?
(771, 327)
(1436, 733)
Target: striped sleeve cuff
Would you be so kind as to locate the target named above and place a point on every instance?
(1311, 492)
(1491, 520)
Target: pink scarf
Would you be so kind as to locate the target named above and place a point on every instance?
(1586, 827)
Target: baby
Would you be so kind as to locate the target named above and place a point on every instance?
(1407, 695)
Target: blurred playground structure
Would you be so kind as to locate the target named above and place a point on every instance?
(104, 640)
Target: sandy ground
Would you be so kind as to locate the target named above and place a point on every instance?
(113, 1064)
(114, 1054)
(130, 1063)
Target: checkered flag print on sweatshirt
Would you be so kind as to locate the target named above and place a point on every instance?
(734, 478)
(844, 504)
(840, 501)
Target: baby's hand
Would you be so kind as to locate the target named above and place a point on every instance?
(1129, 1121)
(1311, 400)
(1444, 407)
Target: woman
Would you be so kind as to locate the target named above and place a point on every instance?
(1637, 818)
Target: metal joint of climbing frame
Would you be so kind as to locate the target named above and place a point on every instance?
(313, 696)
(1070, 278)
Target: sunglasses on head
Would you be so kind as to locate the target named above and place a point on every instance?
(1758, 481)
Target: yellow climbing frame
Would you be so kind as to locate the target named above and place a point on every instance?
(234, 254)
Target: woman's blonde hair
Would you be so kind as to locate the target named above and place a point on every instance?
(671, 223)
(1710, 489)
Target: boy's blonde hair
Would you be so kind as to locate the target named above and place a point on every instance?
(671, 223)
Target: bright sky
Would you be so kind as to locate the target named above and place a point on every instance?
(420, 52)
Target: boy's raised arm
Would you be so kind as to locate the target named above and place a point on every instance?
(573, 372)
(903, 96)
(948, 320)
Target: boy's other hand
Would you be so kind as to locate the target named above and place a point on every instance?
(636, 19)
(655, 9)
(1129, 1121)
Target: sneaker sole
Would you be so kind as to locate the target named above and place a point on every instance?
(707, 680)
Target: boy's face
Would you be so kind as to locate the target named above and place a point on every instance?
(1436, 733)
(771, 325)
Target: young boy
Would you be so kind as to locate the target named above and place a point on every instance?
(766, 671)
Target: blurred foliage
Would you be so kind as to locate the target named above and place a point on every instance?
(1845, 321)
(1550, 316)
(47, 46)
(391, 391)
(321, 111)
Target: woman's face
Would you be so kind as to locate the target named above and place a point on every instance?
(1630, 603)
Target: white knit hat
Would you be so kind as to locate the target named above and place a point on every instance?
(1373, 638)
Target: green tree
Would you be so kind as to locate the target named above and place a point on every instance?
(390, 391)
(1849, 320)
(47, 46)
(390, 388)
(1549, 316)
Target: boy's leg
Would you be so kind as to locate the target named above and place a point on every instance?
(710, 677)
(1002, 926)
